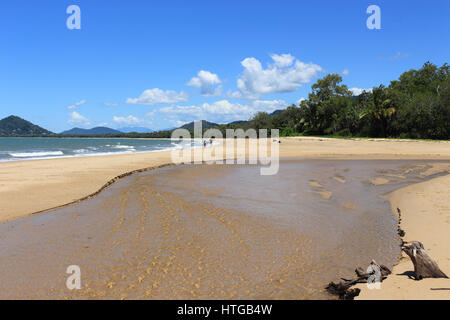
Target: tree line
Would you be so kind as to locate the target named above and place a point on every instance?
(417, 106)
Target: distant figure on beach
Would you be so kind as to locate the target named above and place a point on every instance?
(204, 143)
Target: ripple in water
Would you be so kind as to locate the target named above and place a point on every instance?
(203, 232)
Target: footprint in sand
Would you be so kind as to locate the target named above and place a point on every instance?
(314, 184)
(348, 205)
(339, 178)
(325, 194)
(379, 181)
(322, 192)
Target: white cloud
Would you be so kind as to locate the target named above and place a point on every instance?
(207, 82)
(358, 91)
(345, 72)
(155, 96)
(76, 118)
(73, 106)
(286, 74)
(109, 104)
(300, 100)
(127, 120)
(283, 60)
(220, 111)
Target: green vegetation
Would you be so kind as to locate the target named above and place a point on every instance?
(415, 106)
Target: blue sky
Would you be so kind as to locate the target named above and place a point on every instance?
(158, 64)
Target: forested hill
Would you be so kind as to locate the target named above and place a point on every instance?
(93, 131)
(205, 125)
(14, 126)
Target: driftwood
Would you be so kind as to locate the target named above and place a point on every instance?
(343, 287)
(424, 266)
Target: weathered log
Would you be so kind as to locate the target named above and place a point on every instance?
(424, 266)
(343, 288)
(351, 294)
(384, 271)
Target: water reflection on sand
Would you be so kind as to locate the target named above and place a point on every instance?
(211, 231)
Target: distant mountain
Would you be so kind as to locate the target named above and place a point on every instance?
(239, 122)
(205, 125)
(14, 126)
(168, 129)
(93, 131)
(135, 129)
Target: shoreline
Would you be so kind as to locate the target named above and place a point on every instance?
(420, 222)
(389, 155)
(70, 180)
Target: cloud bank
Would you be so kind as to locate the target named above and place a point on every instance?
(220, 111)
(285, 74)
(157, 96)
(127, 120)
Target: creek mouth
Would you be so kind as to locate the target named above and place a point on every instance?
(212, 232)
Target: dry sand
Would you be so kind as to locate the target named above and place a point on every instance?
(27, 187)
(425, 213)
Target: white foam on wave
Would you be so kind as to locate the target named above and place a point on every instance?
(81, 151)
(36, 154)
(88, 152)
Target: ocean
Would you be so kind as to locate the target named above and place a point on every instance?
(13, 149)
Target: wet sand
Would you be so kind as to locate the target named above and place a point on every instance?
(210, 231)
(33, 186)
(131, 252)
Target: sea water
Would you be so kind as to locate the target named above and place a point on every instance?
(13, 149)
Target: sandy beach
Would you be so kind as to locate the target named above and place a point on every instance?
(37, 185)
(425, 217)
(28, 187)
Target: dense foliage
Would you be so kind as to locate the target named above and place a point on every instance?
(417, 105)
